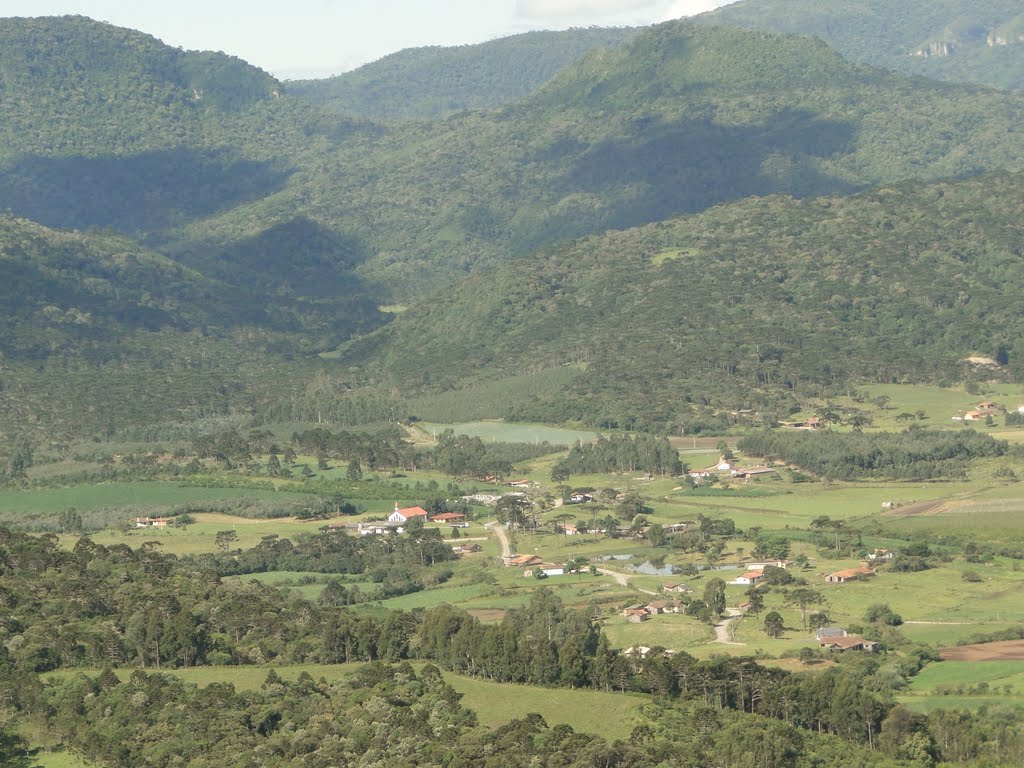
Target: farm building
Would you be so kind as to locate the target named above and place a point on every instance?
(522, 561)
(635, 613)
(679, 589)
(849, 574)
(847, 643)
(151, 522)
(749, 578)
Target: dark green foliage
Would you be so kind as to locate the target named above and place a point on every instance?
(773, 624)
(670, 322)
(881, 613)
(917, 454)
(975, 41)
(621, 453)
(431, 82)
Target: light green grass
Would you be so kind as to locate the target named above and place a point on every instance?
(668, 631)
(151, 494)
(926, 704)
(970, 673)
(502, 432)
(60, 760)
(611, 715)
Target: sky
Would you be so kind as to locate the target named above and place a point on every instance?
(295, 39)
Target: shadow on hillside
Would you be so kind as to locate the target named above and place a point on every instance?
(304, 271)
(297, 257)
(136, 194)
(667, 169)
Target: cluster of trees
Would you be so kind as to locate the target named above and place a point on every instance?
(466, 456)
(620, 453)
(917, 454)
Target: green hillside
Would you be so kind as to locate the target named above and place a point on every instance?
(431, 82)
(759, 304)
(96, 330)
(677, 120)
(975, 41)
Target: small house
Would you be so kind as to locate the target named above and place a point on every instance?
(679, 589)
(522, 561)
(635, 613)
(881, 554)
(151, 522)
(520, 483)
(848, 643)
(766, 563)
(749, 578)
(548, 569)
(448, 517)
(824, 633)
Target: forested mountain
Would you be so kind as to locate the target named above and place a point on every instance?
(435, 81)
(974, 41)
(755, 304)
(96, 330)
(677, 120)
(268, 223)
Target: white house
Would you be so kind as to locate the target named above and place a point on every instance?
(748, 579)
(407, 514)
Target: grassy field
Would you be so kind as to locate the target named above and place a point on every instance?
(925, 704)
(150, 494)
(503, 432)
(1007, 676)
(667, 630)
(939, 404)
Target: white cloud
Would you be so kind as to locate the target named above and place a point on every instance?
(548, 8)
(681, 8)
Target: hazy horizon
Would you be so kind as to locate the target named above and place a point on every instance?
(320, 38)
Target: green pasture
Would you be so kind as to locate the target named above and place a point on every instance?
(60, 760)
(140, 494)
(946, 635)
(926, 704)
(200, 537)
(611, 714)
(939, 404)
(951, 674)
(514, 432)
(672, 631)
(991, 517)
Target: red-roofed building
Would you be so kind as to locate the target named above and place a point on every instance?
(749, 578)
(407, 514)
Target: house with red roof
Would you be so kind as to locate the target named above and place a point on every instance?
(407, 514)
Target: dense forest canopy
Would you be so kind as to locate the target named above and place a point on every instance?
(272, 229)
(754, 304)
(432, 82)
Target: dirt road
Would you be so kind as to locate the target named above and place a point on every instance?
(723, 629)
(502, 534)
